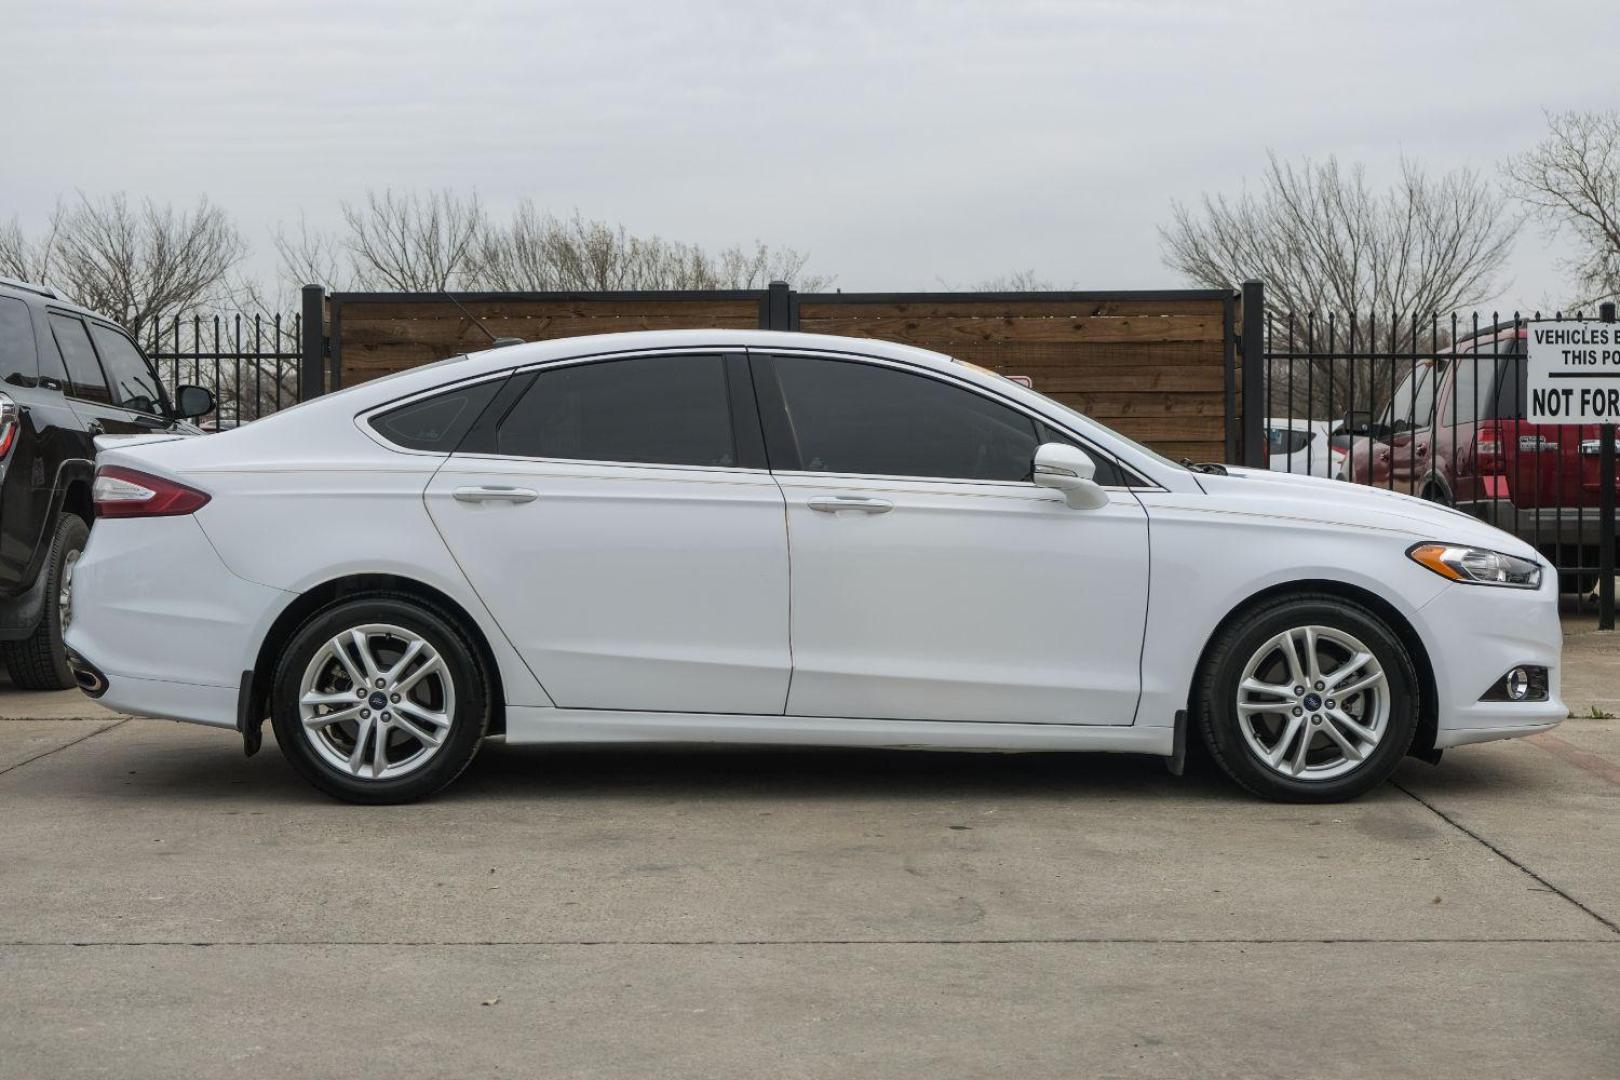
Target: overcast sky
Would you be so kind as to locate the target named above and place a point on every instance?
(904, 145)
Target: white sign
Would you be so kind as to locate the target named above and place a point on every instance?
(1574, 373)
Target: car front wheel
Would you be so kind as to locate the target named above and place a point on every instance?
(1308, 699)
(380, 700)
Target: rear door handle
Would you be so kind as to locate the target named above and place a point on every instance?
(858, 503)
(495, 493)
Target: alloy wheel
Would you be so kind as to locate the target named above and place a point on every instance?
(377, 702)
(64, 593)
(1313, 703)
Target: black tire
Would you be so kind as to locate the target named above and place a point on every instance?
(469, 719)
(39, 661)
(1215, 698)
(1436, 494)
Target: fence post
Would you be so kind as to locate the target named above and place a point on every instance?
(312, 361)
(1232, 433)
(781, 310)
(1254, 370)
(1606, 510)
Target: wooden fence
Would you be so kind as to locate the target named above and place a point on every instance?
(1159, 367)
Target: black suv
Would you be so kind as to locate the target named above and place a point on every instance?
(66, 376)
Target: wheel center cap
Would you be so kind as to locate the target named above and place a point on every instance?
(378, 700)
(1313, 702)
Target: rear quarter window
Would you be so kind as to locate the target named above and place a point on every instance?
(436, 424)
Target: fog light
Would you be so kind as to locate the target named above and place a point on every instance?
(1527, 682)
(1518, 684)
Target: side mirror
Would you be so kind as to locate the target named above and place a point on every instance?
(1069, 469)
(191, 402)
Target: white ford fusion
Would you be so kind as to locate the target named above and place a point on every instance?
(754, 537)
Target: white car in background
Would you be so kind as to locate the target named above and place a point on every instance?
(1303, 447)
(755, 537)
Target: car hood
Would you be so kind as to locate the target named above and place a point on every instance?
(1335, 502)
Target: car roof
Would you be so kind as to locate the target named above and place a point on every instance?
(781, 340)
(46, 292)
(489, 361)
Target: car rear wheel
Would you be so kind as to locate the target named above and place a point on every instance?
(39, 661)
(1308, 699)
(380, 700)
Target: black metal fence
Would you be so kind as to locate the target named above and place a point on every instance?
(251, 363)
(1437, 407)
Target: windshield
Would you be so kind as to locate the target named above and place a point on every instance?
(1026, 388)
(1146, 451)
(1413, 403)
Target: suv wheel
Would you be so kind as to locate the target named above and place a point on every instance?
(39, 661)
(380, 699)
(1308, 699)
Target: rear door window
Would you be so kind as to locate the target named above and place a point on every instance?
(134, 386)
(84, 370)
(18, 365)
(651, 410)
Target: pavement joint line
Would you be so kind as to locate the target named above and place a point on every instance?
(792, 943)
(64, 746)
(1504, 856)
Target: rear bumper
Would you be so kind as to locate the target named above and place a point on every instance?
(169, 700)
(1539, 524)
(163, 623)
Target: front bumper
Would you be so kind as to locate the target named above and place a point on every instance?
(1474, 635)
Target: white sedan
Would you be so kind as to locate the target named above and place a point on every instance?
(1303, 446)
(751, 537)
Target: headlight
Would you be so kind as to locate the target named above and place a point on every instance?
(1477, 566)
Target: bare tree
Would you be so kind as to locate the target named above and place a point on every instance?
(1571, 181)
(136, 264)
(410, 241)
(309, 256)
(539, 251)
(1385, 264)
(1323, 240)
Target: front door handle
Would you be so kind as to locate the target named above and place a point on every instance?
(495, 493)
(858, 503)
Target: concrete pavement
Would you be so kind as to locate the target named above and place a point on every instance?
(170, 908)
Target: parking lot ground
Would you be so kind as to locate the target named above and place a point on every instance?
(170, 908)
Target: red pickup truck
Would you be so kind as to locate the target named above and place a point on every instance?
(1454, 433)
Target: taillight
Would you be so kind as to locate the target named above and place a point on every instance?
(125, 493)
(10, 421)
(1488, 449)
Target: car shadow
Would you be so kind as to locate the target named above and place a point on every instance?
(214, 770)
(811, 773)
